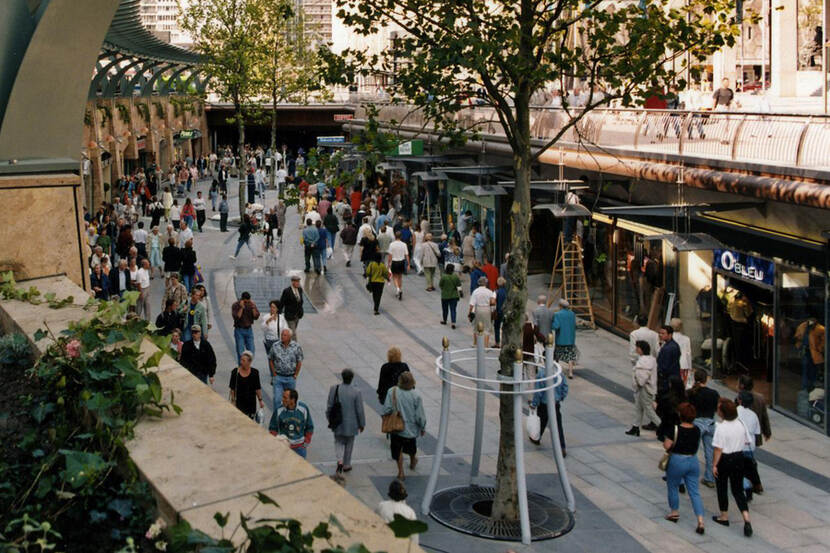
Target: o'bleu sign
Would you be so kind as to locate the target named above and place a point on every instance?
(745, 266)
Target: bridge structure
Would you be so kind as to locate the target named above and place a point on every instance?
(87, 94)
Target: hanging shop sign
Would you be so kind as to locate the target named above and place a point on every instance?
(409, 148)
(745, 266)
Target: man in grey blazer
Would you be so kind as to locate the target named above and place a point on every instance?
(353, 420)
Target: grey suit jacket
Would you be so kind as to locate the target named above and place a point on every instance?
(352, 405)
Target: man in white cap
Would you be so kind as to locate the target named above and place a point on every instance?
(292, 303)
(564, 324)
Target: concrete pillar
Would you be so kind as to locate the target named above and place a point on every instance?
(784, 51)
(725, 65)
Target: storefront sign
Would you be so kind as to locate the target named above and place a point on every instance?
(343, 116)
(330, 140)
(185, 135)
(745, 266)
(141, 143)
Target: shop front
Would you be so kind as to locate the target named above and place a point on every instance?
(482, 211)
(628, 272)
(761, 317)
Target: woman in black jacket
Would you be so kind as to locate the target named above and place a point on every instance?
(389, 373)
(188, 265)
(171, 255)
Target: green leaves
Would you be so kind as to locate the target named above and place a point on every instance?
(403, 527)
(82, 467)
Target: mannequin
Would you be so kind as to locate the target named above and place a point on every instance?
(809, 338)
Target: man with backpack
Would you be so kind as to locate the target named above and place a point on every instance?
(344, 411)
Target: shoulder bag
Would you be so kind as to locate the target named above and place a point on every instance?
(393, 422)
(335, 414)
(664, 460)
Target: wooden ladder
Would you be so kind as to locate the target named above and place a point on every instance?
(568, 270)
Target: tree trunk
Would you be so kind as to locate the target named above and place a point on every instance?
(272, 176)
(240, 169)
(505, 502)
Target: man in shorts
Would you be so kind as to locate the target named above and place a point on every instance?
(398, 262)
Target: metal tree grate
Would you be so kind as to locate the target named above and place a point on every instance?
(459, 508)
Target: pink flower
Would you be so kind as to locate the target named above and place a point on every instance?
(73, 348)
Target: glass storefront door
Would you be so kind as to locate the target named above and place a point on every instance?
(744, 333)
(801, 345)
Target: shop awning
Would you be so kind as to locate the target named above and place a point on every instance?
(689, 242)
(427, 176)
(476, 169)
(565, 210)
(486, 190)
(389, 166)
(550, 185)
(672, 210)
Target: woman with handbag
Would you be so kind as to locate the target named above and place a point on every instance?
(682, 464)
(404, 418)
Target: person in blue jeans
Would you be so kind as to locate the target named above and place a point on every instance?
(244, 314)
(682, 444)
(705, 402)
(285, 361)
(540, 403)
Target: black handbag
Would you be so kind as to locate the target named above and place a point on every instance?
(335, 414)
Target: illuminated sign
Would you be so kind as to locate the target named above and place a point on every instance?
(745, 266)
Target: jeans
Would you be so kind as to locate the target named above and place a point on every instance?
(707, 432)
(187, 280)
(244, 339)
(282, 383)
(239, 245)
(684, 468)
(451, 304)
(223, 222)
(300, 451)
(311, 255)
(188, 220)
(200, 218)
(809, 372)
(268, 345)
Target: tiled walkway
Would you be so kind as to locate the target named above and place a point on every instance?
(621, 499)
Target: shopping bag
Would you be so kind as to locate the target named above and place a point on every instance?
(533, 425)
(329, 252)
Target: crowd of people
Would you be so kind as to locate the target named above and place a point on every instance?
(140, 236)
(682, 410)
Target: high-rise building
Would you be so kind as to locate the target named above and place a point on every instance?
(161, 17)
(318, 18)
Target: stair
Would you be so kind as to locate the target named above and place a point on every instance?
(436, 225)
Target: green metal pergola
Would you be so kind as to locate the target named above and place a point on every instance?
(57, 54)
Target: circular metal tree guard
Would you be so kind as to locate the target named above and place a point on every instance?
(466, 508)
(460, 508)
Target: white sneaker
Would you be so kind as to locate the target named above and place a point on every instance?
(232, 256)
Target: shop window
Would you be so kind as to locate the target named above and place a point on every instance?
(599, 270)
(810, 35)
(694, 304)
(801, 346)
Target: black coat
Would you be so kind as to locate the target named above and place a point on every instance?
(200, 361)
(388, 378)
(188, 261)
(101, 282)
(168, 321)
(113, 278)
(291, 307)
(172, 257)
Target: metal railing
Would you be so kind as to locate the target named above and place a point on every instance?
(801, 141)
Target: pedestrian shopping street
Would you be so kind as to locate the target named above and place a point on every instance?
(620, 497)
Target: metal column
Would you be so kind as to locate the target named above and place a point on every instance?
(553, 417)
(518, 436)
(446, 390)
(480, 399)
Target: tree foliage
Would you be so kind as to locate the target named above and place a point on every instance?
(505, 51)
(221, 31)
